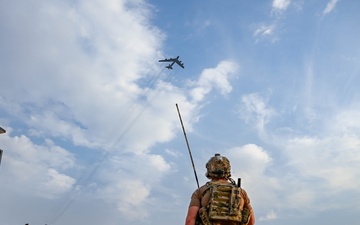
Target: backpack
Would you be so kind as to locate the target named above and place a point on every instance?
(225, 204)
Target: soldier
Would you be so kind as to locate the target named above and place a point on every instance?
(220, 201)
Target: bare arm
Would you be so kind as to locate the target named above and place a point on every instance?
(252, 218)
(191, 215)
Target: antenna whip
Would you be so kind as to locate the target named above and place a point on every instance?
(188, 146)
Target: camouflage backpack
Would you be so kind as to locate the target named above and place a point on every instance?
(225, 204)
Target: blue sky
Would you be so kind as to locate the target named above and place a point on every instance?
(93, 135)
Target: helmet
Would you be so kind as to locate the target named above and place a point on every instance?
(218, 167)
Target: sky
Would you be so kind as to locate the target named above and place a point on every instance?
(93, 135)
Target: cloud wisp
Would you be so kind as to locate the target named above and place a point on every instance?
(330, 6)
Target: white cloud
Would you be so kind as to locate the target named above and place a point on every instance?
(127, 181)
(56, 183)
(265, 32)
(130, 196)
(94, 64)
(29, 162)
(300, 197)
(173, 152)
(314, 167)
(86, 76)
(338, 139)
(249, 158)
(346, 121)
(159, 162)
(280, 4)
(49, 123)
(321, 165)
(269, 216)
(217, 77)
(255, 111)
(329, 159)
(330, 6)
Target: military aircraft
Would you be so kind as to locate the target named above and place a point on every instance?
(173, 60)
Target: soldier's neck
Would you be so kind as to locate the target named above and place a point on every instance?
(218, 180)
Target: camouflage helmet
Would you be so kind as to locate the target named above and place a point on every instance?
(218, 167)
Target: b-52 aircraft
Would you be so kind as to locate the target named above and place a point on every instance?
(173, 60)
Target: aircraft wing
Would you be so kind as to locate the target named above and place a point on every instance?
(167, 60)
(180, 63)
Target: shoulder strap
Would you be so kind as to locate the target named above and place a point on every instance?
(208, 187)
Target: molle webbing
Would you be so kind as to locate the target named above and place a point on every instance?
(225, 203)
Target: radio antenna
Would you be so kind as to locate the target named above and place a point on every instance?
(188, 146)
